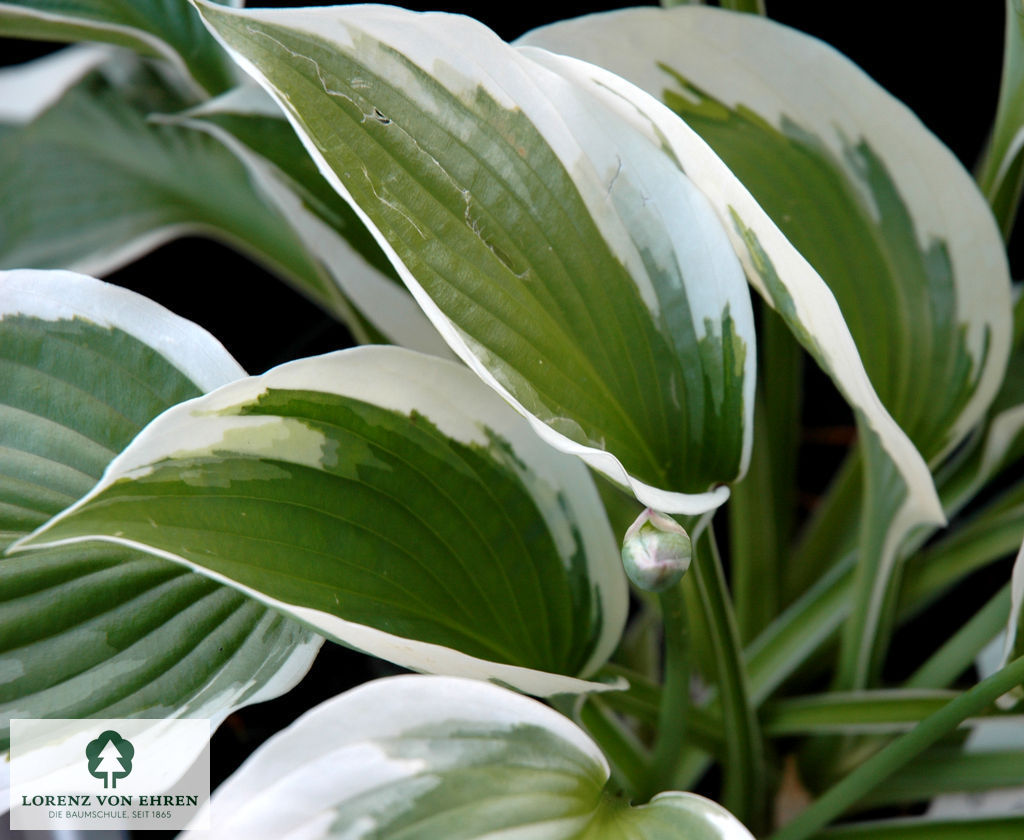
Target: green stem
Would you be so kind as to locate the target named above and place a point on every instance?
(884, 763)
(754, 536)
(642, 700)
(831, 530)
(744, 789)
(962, 648)
(675, 695)
(990, 534)
(626, 755)
(800, 631)
(962, 828)
(762, 507)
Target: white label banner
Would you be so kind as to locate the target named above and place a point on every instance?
(109, 774)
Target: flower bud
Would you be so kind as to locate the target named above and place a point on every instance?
(656, 551)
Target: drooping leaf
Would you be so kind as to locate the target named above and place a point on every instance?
(93, 183)
(556, 246)
(100, 630)
(387, 499)
(839, 168)
(440, 757)
(27, 90)
(166, 28)
(1000, 443)
(250, 124)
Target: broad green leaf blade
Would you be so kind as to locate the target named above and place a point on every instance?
(98, 630)
(104, 631)
(251, 125)
(840, 168)
(554, 245)
(430, 757)
(166, 28)
(387, 499)
(93, 183)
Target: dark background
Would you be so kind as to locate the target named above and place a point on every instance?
(945, 67)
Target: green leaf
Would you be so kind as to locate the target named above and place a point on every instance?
(964, 647)
(434, 757)
(745, 784)
(839, 168)
(858, 712)
(969, 828)
(1014, 636)
(1001, 173)
(390, 501)
(554, 243)
(891, 758)
(166, 28)
(945, 770)
(250, 124)
(27, 90)
(98, 630)
(92, 184)
(1001, 442)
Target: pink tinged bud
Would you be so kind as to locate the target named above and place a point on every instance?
(656, 551)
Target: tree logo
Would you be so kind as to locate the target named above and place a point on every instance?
(110, 757)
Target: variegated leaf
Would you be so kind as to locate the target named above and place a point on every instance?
(250, 124)
(95, 630)
(558, 250)
(839, 168)
(431, 757)
(27, 90)
(387, 499)
(92, 182)
(166, 28)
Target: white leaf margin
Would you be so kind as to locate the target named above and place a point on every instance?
(814, 304)
(387, 306)
(54, 295)
(460, 406)
(736, 56)
(392, 25)
(157, 45)
(332, 755)
(27, 90)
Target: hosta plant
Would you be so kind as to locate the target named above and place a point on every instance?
(591, 273)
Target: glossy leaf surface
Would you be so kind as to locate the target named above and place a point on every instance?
(387, 499)
(427, 757)
(100, 630)
(560, 252)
